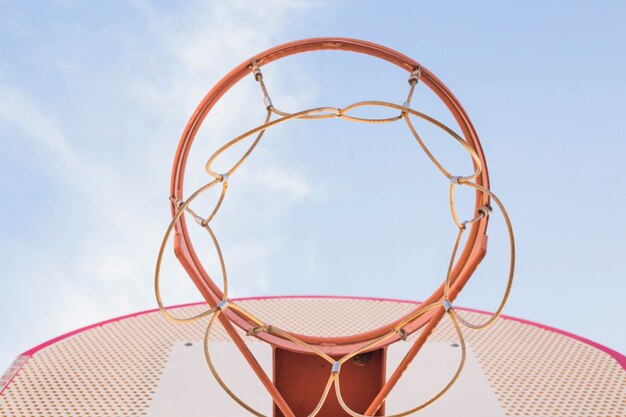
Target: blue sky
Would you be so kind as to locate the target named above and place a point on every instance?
(93, 99)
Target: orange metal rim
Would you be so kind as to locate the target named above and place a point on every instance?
(471, 255)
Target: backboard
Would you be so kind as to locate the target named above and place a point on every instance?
(141, 364)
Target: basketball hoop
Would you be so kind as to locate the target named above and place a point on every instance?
(335, 352)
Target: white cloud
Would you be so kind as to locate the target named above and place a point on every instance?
(99, 262)
(19, 111)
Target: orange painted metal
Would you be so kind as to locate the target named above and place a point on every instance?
(301, 379)
(378, 402)
(471, 255)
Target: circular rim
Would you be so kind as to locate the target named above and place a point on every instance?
(471, 255)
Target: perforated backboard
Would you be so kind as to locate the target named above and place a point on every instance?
(143, 365)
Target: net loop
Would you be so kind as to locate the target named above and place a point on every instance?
(431, 400)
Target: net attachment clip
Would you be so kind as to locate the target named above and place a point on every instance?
(402, 334)
(485, 210)
(415, 76)
(336, 367)
(256, 71)
(178, 203)
(256, 330)
(258, 76)
(447, 305)
(223, 305)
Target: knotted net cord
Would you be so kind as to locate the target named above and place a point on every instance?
(405, 111)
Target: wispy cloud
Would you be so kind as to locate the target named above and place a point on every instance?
(21, 112)
(111, 154)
